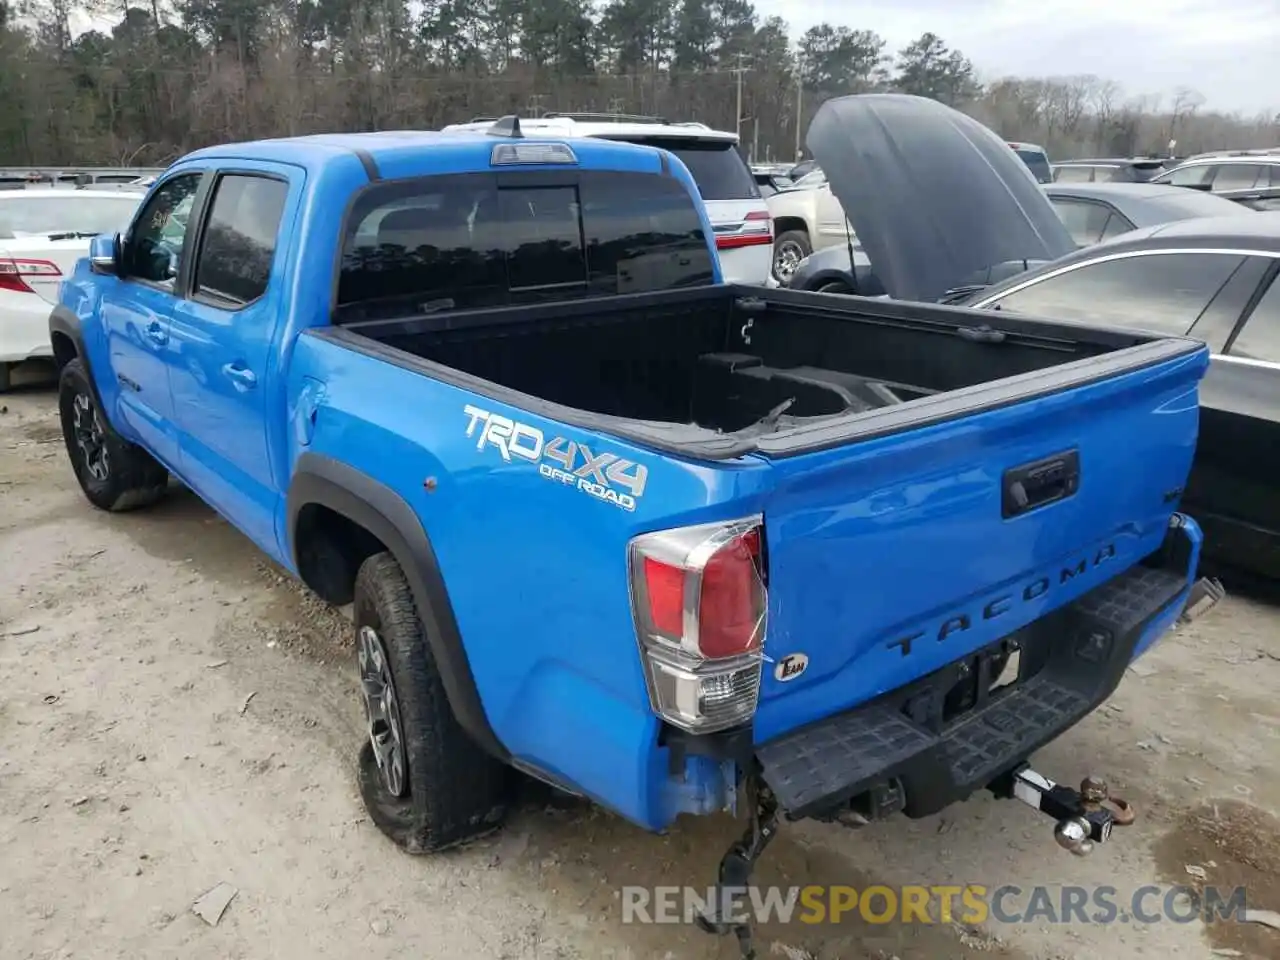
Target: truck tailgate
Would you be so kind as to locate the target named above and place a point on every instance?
(890, 558)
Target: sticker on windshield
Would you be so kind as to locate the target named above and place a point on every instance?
(599, 474)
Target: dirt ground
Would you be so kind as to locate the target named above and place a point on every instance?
(175, 714)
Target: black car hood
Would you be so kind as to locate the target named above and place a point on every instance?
(934, 196)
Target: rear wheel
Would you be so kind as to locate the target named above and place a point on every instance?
(835, 286)
(114, 474)
(788, 250)
(425, 783)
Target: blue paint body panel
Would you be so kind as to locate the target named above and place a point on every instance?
(868, 543)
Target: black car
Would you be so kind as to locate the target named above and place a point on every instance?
(1251, 179)
(1217, 280)
(1099, 211)
(1132, 170)
(946, 212)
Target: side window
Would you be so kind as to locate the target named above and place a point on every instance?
(1083, 219)
(1190, 175)
(1259, 339)
(1163, 293)
(239, 241)
(1235, 176)
(153, 248)
(1116, 225)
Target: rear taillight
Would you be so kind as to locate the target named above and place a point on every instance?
(700, 601)
(14, 273)
(756, 230)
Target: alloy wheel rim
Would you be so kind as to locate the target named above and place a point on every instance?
(382, 711)
(90, 437)
(786, 259)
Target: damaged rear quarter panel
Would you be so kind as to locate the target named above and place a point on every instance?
(530, 521)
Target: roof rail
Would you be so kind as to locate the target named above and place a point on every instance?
(508, 126)
(604, 117)
(483, 120)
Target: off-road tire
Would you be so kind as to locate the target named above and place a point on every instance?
(128, 477)
(453, 791)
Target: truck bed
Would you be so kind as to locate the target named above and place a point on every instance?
(779, 371)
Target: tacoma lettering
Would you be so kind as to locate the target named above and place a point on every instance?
(963, 621)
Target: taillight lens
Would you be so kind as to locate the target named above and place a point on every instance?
(700, 600)
(756, 230)
(14, 273)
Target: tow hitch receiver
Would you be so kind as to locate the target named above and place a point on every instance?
(1084, 817)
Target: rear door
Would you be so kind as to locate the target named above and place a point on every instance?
(738, 214)
(223, 345)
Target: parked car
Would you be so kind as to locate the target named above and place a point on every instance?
(767, 548)
(739, 216)
(1252, 179)
(1036, 159)
(1212, 278)
(769, 183)
(1130, 170)
(42, 235)
(1099, 211)
(806, 218)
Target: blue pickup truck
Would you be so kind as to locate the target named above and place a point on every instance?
(666, 543)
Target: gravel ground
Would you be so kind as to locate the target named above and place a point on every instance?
(175, 713)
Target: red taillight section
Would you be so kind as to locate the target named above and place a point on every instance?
(702, 588)
(664, 588)
(756, 230)
(14, 273)
(731, 603)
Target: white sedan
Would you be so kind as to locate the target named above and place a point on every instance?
(43, 232)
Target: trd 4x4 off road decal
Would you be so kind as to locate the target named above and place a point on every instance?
(604, 476)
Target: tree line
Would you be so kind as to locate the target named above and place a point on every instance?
(172, 75)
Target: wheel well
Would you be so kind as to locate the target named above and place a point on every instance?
(329, 548)
(64, 349)
(784, 224)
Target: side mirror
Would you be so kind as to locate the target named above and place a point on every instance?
(104, 253)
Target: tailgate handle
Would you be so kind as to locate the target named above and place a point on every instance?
(1039, 483)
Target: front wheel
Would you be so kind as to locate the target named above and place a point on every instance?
(114, 474)
(425, 783)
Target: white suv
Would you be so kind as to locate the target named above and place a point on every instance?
(738, 214)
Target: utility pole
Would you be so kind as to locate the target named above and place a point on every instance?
(740, 70)
(799, 110)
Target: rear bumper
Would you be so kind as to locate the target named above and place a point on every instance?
(1070, 662)
(24, 327)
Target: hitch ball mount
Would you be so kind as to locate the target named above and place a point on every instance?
(1084, 817)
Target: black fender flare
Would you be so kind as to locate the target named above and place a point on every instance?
(64, 321)
(321, 480)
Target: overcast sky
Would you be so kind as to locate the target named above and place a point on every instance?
(1228, 50)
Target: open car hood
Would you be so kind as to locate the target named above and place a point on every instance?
(934, 196)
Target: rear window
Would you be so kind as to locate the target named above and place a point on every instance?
(1038, 164)
(1073, 174)
(65, 212)
(466, 242)
(716, 165)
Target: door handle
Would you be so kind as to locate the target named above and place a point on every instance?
(242, 377)
(156, 333)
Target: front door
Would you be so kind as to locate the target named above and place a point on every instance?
(224, 344)
(137, 310)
